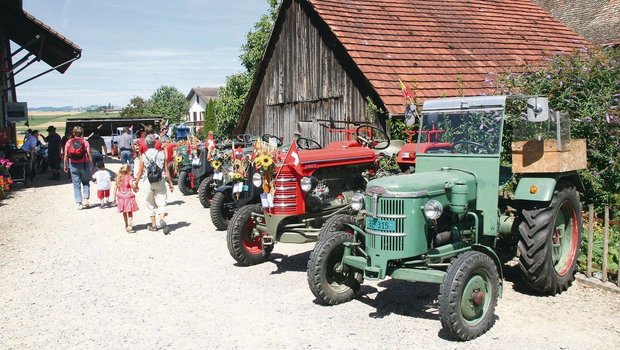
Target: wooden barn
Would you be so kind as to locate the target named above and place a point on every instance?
(330, 59)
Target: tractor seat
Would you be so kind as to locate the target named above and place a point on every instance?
(392, 149)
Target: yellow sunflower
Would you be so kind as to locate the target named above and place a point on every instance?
(264, 162)
(216, 164)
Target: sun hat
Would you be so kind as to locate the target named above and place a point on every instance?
(51, 128)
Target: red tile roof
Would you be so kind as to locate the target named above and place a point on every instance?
(443, 45)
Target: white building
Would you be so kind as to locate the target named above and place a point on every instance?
(198, 98)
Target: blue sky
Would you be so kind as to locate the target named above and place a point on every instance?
(132, 47)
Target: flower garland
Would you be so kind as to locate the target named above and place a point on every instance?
(264, 155)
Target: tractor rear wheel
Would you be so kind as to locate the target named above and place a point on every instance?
(549, 240)
(337, 223)
(468, 295)
(243, 245)
(329, 280)
(205, 191)
(219, 211)
(184, 185)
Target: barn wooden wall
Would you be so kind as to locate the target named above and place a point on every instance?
(303, 82)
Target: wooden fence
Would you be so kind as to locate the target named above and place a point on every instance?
(606, 223)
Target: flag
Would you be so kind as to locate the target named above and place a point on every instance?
(292, 158)
(210, 145)
(408, 94)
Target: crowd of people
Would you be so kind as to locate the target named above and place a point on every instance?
(83, 160)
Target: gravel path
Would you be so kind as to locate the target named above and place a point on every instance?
(75, 279)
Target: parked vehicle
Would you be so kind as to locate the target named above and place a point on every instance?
(18, 171)
(445, 224)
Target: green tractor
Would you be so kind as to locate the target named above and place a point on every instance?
(446, 223)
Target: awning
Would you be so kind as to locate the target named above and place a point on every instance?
(38, 38)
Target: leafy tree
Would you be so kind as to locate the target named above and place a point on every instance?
(586, 85)
(169, 103)
(233, 94)
(136, 108)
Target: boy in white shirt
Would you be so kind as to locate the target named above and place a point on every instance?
(103, 180)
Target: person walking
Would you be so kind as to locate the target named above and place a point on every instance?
(98, 149)
(30, 146)
(53, 152)
(63, 142)
(125, 147)
(124, 196)
(78, 161)
(152, 177)
(104, 181)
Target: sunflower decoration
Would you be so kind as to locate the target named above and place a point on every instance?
(216, 164)
(263, 162)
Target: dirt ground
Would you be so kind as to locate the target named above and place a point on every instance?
(76, 279)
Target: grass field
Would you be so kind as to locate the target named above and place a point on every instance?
(41, 120)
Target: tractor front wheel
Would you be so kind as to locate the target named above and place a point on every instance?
(184, 185)
(219, 211)
(468, 296)
(337, 223)
(549, 240)
(329, 280)
(244, 245)
(205, 191)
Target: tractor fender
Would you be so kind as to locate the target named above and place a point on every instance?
(187, 168)
(356, 229)
(226, 189)
(545, 185)
(488, 251)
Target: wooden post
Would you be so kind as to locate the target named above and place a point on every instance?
(605, 243)
(590, 239)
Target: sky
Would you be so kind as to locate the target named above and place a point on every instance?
(132, 47)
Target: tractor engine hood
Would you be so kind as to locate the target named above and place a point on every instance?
(427, 184)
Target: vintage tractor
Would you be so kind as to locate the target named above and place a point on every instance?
(445, 223)
(312, 186)
(238, 192)
(188, 161)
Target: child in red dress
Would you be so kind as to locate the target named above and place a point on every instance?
(125, 197)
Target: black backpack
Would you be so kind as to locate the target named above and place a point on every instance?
(153, 172)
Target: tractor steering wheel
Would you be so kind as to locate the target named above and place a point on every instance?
(478, 146)
(304, 143)
(267, 137)
(370, 136)
(246, 138)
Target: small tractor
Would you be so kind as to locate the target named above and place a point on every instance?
(446, 223)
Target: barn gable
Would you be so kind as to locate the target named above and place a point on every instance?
(326, 56)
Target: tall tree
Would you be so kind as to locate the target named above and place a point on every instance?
(233, 94)
(136, 108)
(209, 120)
(169, 103)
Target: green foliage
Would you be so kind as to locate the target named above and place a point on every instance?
(209, 120)
(234, 92)
(586, 85)
(229, 105)
(597, 248)
(136, 108)
(169, 103)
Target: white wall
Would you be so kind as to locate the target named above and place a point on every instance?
(196, 107)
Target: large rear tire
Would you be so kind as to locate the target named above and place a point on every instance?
(549, 240)
(468, 296)
(184, 184)
(243, 245)
(205, 191)
(219, 211)
(329, 280)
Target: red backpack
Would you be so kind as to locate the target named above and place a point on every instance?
(77, 149)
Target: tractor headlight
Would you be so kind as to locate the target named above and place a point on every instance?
(306, 184)
(357, 201)
(433, 209)
(257, 179)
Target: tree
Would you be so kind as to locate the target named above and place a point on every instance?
(136, 108)
(169, 103)
(209, 120)
(233, 94)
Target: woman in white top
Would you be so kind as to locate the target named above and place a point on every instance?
(155, 192)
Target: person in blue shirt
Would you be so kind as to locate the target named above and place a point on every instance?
(30, 146)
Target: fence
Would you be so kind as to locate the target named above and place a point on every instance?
(606, 244)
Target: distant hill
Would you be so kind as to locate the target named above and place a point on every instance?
(91, 108)
(54, 109)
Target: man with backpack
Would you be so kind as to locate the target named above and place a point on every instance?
(152, 176)
(78, 160)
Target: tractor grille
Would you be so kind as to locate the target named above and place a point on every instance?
(386, 243)
(286, 194)
(388, 209)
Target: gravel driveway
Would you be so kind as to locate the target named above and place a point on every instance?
(75, 279)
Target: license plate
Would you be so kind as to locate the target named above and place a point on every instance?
(380, 224)
(218, 176)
